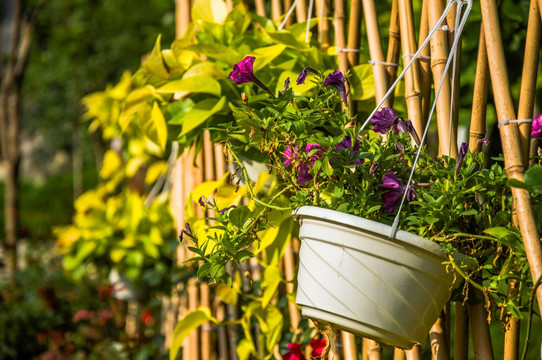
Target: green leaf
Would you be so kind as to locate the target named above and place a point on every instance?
(203, 270)
(517, 183)
(243, 255)
(193, 84)
(200, 113)
(533, 178)
(239, 216)
(186, 325)
(217, 52)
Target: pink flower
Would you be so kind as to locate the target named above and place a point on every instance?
(290, 154)
(318, 347)
(536, 129)
(81, 315)
(104, 316)
(294, 352)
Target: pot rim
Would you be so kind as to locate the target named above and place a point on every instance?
(364, 224)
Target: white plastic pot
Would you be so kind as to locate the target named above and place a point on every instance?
(353, 276)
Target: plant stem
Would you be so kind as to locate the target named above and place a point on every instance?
(529, 322)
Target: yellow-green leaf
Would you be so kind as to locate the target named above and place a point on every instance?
(111, 164)
(266, 54)
(155, 128)
(193, 84)
(270, 283)
(186, 325)
(200, 113)
(226, 294)
(244, 349)
(209, 11)
(208, 68)
(155, 63)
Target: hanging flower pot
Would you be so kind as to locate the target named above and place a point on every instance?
(354, 277)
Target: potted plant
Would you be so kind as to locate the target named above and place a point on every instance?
(344, 186)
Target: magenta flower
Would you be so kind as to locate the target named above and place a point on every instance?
(462, 152)
(303, 175)
(386, 119)
(301, 78)
(336, 79)
(294, 352)
(315, 155)
(536, 129)
(186, 231)
(243, 73)
(290, 154)
(396, 189)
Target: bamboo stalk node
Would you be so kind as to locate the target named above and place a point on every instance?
(340, 49)
(424, 57)
(506, 122)
(375, 62)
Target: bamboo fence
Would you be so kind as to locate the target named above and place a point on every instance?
(426, 71)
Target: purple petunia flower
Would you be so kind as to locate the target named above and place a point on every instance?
(336, 79)
(410, 127)
(243, 73)
(301, 78)
(396, 189)
(186, 231)
(536, 128)
(290, 154)
(286, 84)
(303, 175)
(202, 200)
(346, 143)
(462, 152)
(316, 155)
(227, 208)
(483, 141)
(386, 119)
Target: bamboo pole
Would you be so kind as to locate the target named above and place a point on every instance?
(414, 354)
(287, 6)
(511, 326)
(260, 7)
(276, 9)
(354, 27)
(322, 10)
(439, 56)
(461, 332)
(426, 76)
(182, 14)
(375, 49)
(481, 338)
(438, 337)
(371, 350)
(349, 346)
(399, 354)
(510, 140)
(412, 76)
(528, 79)
(454, 78)
(394, 48)
(301, 11)
(222, 336)
(340, 38)
(479, 97)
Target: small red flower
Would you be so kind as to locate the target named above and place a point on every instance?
(147, 317)
(104, 316)
(294, 353)
(318, 347)
(81, 315)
